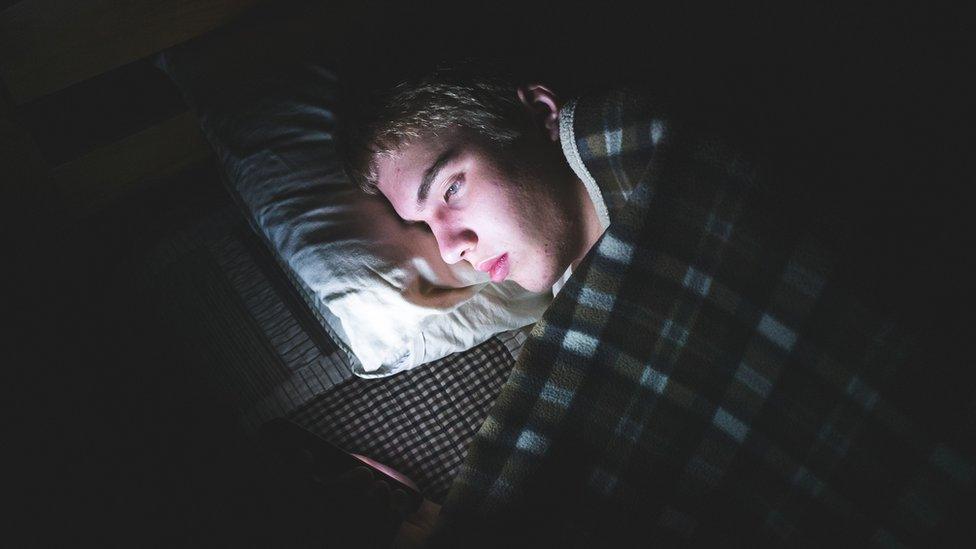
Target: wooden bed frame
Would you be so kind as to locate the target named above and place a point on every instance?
(47, 46)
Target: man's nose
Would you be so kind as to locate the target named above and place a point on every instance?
(454, 244)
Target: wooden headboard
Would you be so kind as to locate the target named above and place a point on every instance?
(47, 47)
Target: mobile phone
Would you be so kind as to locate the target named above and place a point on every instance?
(298, 445)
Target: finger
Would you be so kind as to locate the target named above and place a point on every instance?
(425, 515)
(380, 491)
(415, 530)
(358, 477)
(354, 480)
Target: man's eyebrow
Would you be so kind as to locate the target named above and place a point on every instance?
(424, 189)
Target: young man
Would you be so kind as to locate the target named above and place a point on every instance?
(486, 173)
(702, 375)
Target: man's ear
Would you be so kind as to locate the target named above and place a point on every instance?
(543, 105)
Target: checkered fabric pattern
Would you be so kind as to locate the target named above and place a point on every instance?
(703, 378)
(244, 331)
(419, 422)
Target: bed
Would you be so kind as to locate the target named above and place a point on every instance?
(812, 465)
(248, 318)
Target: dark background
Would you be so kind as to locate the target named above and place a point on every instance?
(860, 110)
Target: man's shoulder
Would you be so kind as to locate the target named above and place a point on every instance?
(618, 109)
(616, 135)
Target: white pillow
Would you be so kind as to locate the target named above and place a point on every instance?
(380, 283)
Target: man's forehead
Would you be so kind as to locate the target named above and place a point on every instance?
(394, 168)
(399, 172)
(398, 175)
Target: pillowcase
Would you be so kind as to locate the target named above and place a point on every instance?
(378, 284)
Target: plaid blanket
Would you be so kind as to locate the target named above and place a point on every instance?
(705, 378)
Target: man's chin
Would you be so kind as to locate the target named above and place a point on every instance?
(538, 285)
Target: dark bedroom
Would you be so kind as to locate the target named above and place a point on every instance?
(532, 274)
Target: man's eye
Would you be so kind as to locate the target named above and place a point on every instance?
(453, 189)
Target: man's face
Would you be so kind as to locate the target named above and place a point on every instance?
(512, 218)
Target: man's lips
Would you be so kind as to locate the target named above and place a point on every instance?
(496, 267)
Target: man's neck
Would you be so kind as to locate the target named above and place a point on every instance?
(590, 213)
(591, 229)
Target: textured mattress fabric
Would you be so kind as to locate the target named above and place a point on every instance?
(241, 321)
(419, 422)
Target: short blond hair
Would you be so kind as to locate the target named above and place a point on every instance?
(477, 99)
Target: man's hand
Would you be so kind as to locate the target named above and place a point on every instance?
(417, 526)
(374, 498)
(351, 484)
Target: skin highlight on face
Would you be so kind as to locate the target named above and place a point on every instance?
(517, 213)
